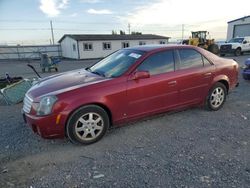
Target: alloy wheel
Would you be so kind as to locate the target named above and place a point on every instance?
(217, 97)
(89, 126)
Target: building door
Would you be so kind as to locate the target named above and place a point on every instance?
(241, 30)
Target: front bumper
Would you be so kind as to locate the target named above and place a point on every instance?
(231, 51)
(47, 126)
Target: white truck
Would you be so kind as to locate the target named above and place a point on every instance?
(236, 46)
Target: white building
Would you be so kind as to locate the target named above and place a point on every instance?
(98, 46)
(238, 28)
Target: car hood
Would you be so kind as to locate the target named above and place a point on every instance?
(234, 43)
(63, 82)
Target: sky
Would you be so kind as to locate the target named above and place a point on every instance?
(28, 21)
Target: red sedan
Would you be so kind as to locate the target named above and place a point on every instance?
(129, 84)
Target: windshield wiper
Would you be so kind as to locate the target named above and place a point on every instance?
(88, 69)
(95, 72)
(98, 73)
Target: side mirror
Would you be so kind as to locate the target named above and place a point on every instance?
(140, 75)
(244, 42)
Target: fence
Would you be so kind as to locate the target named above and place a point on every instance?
(29, 52)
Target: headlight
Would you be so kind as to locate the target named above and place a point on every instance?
(234, 46)
(44, 107)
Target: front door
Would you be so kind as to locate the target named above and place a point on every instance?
(246, 45)
(157, 92)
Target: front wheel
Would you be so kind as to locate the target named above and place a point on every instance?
(237, 52)
(216, 97)
(87, 125)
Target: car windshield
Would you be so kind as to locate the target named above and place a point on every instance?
(236, 40)
(117, 63)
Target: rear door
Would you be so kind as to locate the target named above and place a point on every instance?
(195, 76)
(157, 92)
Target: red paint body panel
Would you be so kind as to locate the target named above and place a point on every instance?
(125, 98)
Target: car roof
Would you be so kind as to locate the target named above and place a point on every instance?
(153, 47)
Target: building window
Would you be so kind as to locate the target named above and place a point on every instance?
(162, 42)
(142, 43)
(74, 47)
(106, 46)
(125, 44)
(87, 46)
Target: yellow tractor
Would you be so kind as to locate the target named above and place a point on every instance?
(199, 38)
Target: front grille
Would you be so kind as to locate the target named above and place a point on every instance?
(27, 103)
(226, 47)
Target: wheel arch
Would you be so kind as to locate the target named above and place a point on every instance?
(222, 79)
(93, 103)
(225, 82)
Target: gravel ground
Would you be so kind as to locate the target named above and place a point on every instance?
(191, 148)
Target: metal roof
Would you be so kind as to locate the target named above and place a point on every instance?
(112, 37)
(239, 19)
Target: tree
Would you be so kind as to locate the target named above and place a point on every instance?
(136, 33)
(114, 32)
(122, 32)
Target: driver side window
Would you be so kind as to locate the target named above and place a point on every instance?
(160, 62)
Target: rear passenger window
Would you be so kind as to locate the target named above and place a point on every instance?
(190, 58)
(158, 63)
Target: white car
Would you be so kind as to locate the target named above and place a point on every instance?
(236, 46)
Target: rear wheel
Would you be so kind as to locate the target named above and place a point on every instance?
(237, 52)
(87, 125)
(216, 97)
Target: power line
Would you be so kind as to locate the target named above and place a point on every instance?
(58, 21)
(66, 29)
(28, 29)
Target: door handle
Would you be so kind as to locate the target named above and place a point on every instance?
(172, 82)
(208, 74)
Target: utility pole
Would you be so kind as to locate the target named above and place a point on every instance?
(129, 28)
(52, 32)
(182, 35)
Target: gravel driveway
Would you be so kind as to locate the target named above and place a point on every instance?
(191, 148)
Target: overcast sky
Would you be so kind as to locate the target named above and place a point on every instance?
(27, 21)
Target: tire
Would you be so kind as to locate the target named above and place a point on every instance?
(56, 69)
(222, 55)
(87, 125)
(214, 48)
(237, 52)
(216, 97)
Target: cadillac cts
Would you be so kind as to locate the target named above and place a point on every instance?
(129, 84)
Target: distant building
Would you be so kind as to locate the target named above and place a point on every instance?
(98, 46)
(238, 28)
